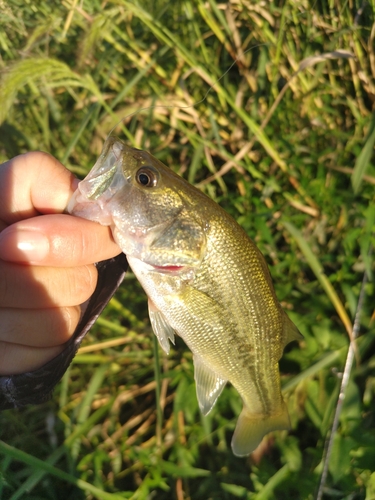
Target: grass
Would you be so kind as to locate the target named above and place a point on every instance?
(283, 138)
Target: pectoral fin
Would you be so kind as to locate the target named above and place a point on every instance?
(208, 384)
(163, 331)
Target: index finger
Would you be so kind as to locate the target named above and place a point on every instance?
(59, 240)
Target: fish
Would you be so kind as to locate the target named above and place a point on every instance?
(205, 279)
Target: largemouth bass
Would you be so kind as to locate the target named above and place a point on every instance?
(205, 280)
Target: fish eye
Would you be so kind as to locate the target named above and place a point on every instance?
(147, 177)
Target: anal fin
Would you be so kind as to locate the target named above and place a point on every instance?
(208, 384)
(163, 331)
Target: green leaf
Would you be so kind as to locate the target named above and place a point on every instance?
(233, 489)
(340, 456)
(183, 471)
(370, 489)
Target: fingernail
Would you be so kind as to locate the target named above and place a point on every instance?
(23, 246)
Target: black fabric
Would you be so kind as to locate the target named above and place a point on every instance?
(36, 387)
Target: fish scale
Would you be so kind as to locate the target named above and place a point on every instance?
(238, 297)
(205, 280)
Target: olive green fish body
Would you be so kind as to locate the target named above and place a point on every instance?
(205, 280)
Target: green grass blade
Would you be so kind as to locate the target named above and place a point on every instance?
(364, 157)
(267, 492)
(364, 345)
(318, 270)
(32, 70)
(38, 474)
(75, 138)
(86, 404)
(36, 463)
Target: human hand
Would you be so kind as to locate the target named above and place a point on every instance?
(46, 261)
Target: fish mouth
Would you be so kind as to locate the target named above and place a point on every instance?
(185, 273)
(94, 193)
(106, 177)
(96, 211)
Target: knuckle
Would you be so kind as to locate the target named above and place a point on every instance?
(84, 282)
(70, 316)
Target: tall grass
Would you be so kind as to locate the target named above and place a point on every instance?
(281, 134)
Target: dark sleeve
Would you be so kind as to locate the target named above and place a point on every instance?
(36, 387)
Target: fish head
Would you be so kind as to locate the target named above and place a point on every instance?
(149, 208)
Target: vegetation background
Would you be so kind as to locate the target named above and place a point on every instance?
(283, 138)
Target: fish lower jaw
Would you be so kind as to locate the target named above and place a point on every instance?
(184, 273)
(143, 267)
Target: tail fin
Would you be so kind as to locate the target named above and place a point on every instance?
(251, 429)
